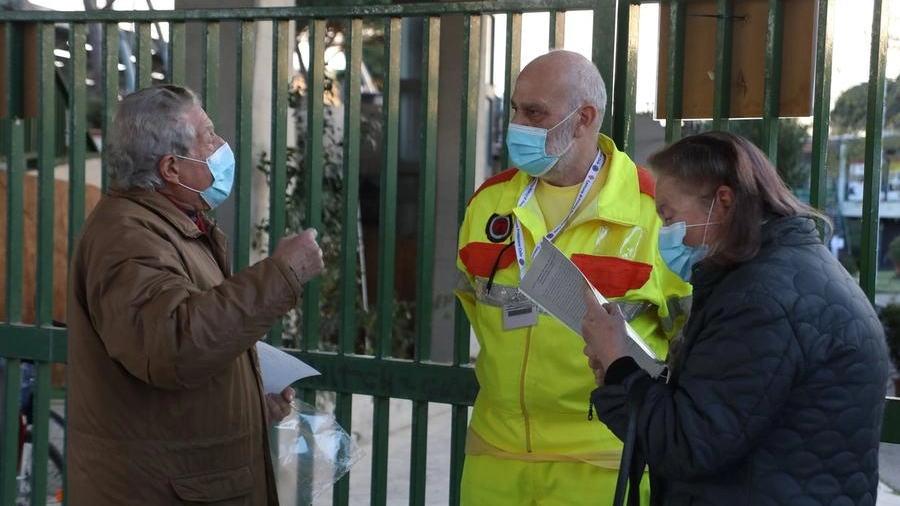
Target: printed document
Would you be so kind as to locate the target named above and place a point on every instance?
(280, 369)
(556, 285)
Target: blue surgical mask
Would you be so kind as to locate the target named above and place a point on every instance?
(221, 166)
(675, 253)
(679, 256)
(527, 147)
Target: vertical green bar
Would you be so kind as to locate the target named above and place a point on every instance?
(381, 418)
(557, 29)
(514, 64)
(350, 237)
(243, 122)
(459, 423)
(177, 54)
(418, 458)
(9, 455)
(605, 16)
(722, 90)
(315, 156)
(144, 43)
(772, 93)
(46, 180)
(343, 413)
(625, 87)
(39, 430)
(873, 150)
(425, 251)
(467, 163)
(15, 217)
(468, 122)
(675, 72)
(110, 87)
(427, 188)
(211, 58)
(821, 102)
(387, 223)
(278, 159)
(77, 129)
(14, 33)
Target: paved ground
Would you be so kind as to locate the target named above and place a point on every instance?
(437, 485)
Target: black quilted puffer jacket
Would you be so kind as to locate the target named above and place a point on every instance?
(776, 392)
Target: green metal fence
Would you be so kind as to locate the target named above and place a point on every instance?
(424, 161)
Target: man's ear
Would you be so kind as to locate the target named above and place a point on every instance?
(168, 168)
(585, 118)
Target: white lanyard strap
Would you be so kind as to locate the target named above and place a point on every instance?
(586, 185)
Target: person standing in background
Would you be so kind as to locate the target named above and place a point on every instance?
(165, 398)
(532, 439)
(775, 394)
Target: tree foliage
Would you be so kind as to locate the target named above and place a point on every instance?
(851, 108)
(793, 136)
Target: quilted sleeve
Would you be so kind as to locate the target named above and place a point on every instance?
(737, 376)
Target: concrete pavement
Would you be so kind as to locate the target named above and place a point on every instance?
(438, 461)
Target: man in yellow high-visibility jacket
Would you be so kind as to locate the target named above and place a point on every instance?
(532, 439)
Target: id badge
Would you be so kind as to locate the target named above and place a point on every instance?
(516, 316)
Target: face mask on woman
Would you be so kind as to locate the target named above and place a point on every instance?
(679, 256)
(221, 166)
(527, 147)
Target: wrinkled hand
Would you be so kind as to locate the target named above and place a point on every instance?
(278, 406)
(302, 253)
(596, 366)
(603, 330)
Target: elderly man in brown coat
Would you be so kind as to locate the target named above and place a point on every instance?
(166, 404)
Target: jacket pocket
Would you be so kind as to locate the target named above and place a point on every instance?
(214, 486)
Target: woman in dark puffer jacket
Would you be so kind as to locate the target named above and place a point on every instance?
(777, 382)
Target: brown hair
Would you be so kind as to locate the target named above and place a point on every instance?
(713, 159)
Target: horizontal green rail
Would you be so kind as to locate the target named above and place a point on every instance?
(44, 344)
(256, 13)
(401, 379)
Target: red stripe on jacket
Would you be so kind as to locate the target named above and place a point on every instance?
(500, 177)
(479, 257)
(646, 182)
(612, 276)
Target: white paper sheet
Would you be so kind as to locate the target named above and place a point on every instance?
(280, 369)
(556, 285)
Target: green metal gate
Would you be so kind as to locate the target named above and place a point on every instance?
(423, 161)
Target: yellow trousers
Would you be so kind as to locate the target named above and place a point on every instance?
(494, 481)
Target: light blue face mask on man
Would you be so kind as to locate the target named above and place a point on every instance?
(527, 147)
(221, 166)
(675, 253)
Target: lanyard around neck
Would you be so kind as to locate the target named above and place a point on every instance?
(583, 192)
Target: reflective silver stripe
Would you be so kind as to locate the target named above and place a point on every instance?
(500, 295)
(503, 295)
(678, 306)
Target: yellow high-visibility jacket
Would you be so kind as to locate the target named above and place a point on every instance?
(534, 382)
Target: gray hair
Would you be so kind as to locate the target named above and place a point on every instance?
(149, 124)
(587, 87)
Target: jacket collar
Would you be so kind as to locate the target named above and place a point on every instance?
(774, 233)
(618, 200)
(165, 209)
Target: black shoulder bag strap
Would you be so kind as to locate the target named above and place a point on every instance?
(631, 467)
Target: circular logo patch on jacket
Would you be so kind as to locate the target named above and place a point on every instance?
(498, 227)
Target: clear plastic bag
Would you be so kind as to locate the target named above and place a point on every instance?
(314, 452)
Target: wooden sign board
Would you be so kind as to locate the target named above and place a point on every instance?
(22, 82)
(748, 64)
